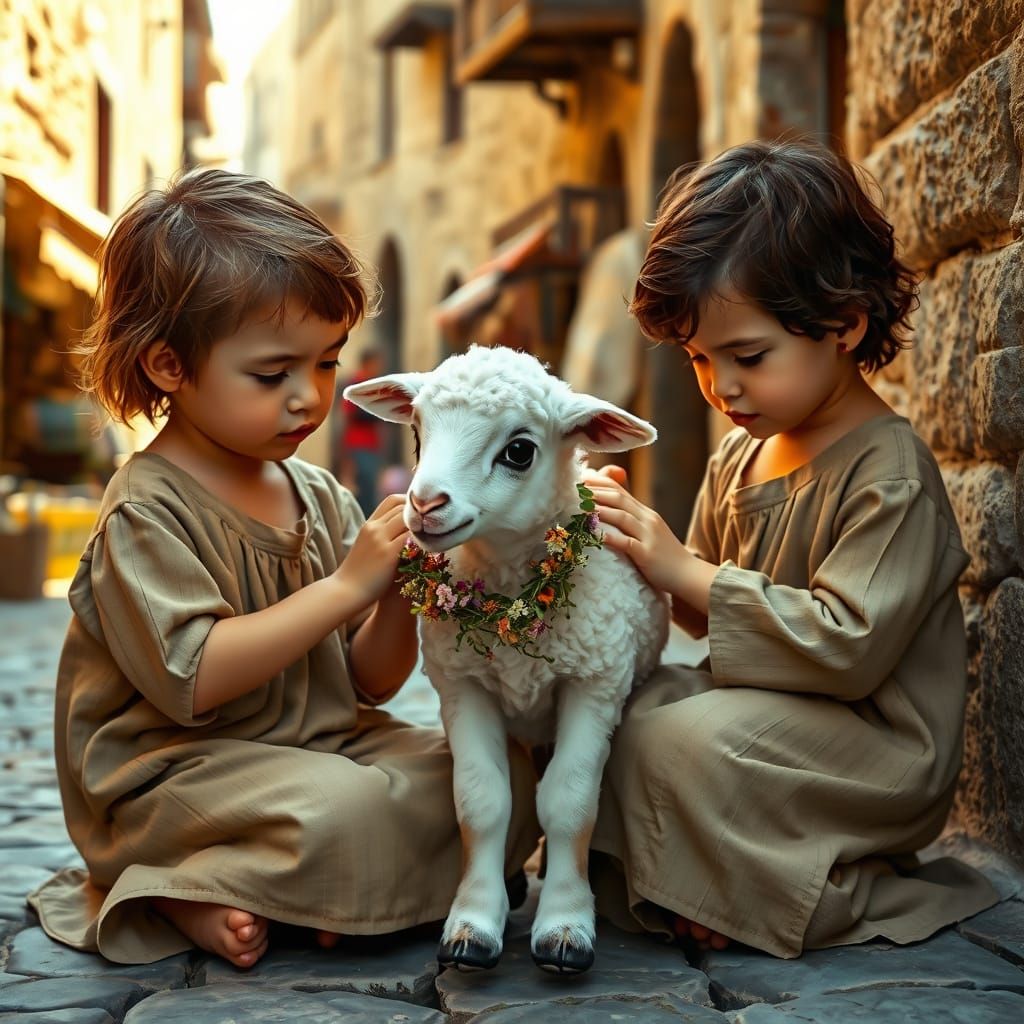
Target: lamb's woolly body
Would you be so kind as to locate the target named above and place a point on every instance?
(492, 509)
(617, 620)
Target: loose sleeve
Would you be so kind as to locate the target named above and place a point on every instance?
(844, 635)
(156, 603)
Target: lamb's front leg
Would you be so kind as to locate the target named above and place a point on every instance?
(472, 937)
(567, 798)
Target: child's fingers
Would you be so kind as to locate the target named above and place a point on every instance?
(619, 518)
(596, 478)
(616, 473)
(388, 505)
(614, 497)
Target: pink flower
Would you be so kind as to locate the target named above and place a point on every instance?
(593, 522)
(535, 628)
(445, 597)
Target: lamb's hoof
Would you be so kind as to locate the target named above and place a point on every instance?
(468, 955)
(558, 956)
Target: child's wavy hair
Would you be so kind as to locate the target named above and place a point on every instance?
(192, 263)
(789, 226)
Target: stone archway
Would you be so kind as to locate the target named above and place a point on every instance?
(672, 472)
(452, 283)
(389, 323)
(388, 329)
(611, 175)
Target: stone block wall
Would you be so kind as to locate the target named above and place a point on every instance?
(936, 114)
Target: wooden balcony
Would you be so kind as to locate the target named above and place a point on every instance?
(533, 40)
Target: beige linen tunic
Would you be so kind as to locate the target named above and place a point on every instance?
(292, 801)
(777, 796)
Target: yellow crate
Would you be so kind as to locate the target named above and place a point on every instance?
(70, 521)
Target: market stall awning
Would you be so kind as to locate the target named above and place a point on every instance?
(483, 287)
(62, 233)
(413, 24)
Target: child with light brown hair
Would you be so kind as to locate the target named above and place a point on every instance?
(234, 619)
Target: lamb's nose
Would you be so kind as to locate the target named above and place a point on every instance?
(425, 505)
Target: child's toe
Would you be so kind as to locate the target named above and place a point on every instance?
(250, 956)
(238, 919)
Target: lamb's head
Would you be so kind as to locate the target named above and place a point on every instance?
(496, 437)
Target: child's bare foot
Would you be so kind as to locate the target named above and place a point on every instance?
(327, 940)
(704, 937)
(236, 935)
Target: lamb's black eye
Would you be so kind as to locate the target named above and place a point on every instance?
(416, 442)
(518, 454)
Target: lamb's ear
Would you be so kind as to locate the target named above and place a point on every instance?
(599, 426)
(389, 398)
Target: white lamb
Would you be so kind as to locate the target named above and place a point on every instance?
(497, 438)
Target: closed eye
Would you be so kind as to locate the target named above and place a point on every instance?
(271, 380)
(751, 360)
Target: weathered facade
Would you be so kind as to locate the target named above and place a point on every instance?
(937, 114)
(438, 136)
(97, 101)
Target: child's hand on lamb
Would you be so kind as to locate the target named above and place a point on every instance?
(369, 568)
(645, 538)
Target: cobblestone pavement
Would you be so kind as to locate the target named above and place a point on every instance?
(973, 974)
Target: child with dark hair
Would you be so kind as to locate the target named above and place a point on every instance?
(234, 620)
(777, 794)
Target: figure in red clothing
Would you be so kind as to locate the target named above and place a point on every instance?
(358, 449)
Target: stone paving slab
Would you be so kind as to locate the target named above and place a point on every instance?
(604, 1011)
(52, 857)
(891, 1006)
(34, 954)
(75, 1016)
(1000, 930)
(740, 977)
(113, 995)
(634, 973)
(665, 1010)
(248, 1003)
(402, 970)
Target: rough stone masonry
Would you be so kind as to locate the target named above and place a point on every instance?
(936, 112)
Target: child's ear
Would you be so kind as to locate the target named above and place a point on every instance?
(850, 337)
(161, 365)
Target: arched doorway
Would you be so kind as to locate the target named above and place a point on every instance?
(388, 330)
(613, 215)
(447, 347)
(675, 466)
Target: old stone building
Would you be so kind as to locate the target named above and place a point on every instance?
(98, 100)
(937, 114)
(476, 153)
(496, 161)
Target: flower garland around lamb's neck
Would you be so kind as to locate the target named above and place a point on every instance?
(484, 618)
